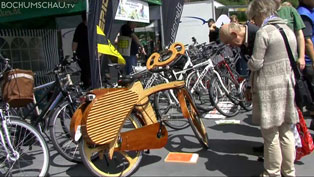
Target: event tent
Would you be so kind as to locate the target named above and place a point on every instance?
(31, 36)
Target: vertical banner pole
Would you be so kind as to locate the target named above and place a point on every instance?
(162, 29)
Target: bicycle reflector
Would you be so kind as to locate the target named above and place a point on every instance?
(87, 98)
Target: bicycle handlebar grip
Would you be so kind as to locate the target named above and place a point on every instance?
(175, 53)
(150, 64)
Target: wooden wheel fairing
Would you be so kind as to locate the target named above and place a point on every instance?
(105, 115)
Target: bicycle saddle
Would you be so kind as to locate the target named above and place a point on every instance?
(126, 80)
(115, 65)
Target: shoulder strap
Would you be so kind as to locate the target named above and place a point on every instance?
(296, 70)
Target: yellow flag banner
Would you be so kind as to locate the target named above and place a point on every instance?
(105, 47)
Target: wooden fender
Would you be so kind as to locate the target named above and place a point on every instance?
(77, 119)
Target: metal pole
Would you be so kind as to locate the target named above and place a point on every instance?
(213, 9)
(99, 69)
(87, 9)
(162, 29)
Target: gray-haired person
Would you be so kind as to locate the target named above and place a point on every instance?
(272, 82)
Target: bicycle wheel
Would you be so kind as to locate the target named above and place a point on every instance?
(195, 121)
(200, 91)
(220, 99)
(32, 155)
(247, 105)
(59, 129)
(169, 111)
(123, 163)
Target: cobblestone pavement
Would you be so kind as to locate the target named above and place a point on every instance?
(230, 154)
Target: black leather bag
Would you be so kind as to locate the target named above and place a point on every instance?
(302, 92)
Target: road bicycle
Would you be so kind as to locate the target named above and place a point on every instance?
(115, 125)
(23, 150)
(227, 68)
(201, 80)
(226, 89)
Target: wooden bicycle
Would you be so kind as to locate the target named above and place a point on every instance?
(118, 124)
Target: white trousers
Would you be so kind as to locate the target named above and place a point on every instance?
(279, 151)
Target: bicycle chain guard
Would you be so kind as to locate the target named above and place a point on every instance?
(157, 60)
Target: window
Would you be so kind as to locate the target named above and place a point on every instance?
(36, 54)
(27, 53)
(5, 48)
(19, 54)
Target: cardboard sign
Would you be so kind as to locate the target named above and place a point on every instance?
(182, 157)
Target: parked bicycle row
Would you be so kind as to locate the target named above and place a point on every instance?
(101, 127)
(209, 71)
(26, 120)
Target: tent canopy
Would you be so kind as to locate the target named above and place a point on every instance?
(148, 28)
(157, 2)
(12, 10)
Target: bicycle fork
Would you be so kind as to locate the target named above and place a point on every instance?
(198, 81)
(232, 98)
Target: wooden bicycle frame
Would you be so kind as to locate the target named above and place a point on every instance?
(90, 117)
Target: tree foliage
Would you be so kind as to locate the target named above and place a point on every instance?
(233, 2)
(295, 3)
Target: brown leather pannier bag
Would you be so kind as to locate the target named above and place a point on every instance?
(17, 89)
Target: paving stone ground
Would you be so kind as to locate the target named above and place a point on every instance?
(230, 154)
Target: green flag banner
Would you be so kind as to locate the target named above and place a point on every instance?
(14, 10)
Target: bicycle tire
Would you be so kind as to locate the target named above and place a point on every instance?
(60, 134)
(29, 143)
(97, 166)
(170, 114)
(200, 95)
(195, 121)
(220, 99)
(246, 105)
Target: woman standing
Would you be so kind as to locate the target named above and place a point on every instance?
(272, 82)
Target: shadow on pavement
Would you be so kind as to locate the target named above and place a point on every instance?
(55, 161)
(183, 143)
(78, 170)
(234, 146)
(232, 165)
(238, 129)
(230, 157)
(149, 159)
